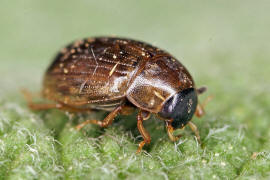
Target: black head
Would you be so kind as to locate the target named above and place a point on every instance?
(180, 107)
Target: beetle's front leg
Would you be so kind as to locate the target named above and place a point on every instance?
(170, 131)
(200, 107)
(146, 137)
(194, 128)
(199, 111)
(106, 122)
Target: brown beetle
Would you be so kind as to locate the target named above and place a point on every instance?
(116, 75)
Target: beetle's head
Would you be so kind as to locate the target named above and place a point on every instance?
(180, 107)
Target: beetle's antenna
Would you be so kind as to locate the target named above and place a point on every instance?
(201, 90)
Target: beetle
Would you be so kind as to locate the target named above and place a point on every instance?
(119, 75)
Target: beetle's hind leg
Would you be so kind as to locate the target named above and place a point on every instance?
(45, 106)
(106, 122)
(37, 106)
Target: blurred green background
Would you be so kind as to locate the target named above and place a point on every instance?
(224, 44)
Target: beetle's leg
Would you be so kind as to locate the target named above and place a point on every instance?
(170, 131)
(106, 122)
(37, 106)
(127, 110)
(199, 110)
(46, 106)
(28, 95)
(43, 106)
(144, 133)
(145, 115)
(200, 107)
(194, 128)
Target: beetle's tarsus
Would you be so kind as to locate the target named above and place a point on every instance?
(144, 133)
(141, 144)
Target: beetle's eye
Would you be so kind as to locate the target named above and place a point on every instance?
(180, 107)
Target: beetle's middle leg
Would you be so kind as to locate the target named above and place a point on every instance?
(106, 122)
(146, 137)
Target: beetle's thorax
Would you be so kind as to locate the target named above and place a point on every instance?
(160, 78)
